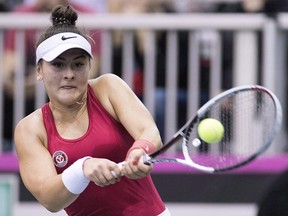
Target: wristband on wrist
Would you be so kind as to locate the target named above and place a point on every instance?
(73, 177)
(145, 145)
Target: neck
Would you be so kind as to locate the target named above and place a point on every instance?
(67, 108)
(69, 113)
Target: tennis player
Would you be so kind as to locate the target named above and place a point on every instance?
(68, 150)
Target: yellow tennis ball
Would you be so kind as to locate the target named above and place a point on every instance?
(210, 130)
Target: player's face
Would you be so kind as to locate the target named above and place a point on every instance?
(66, 77)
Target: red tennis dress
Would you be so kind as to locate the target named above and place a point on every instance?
(105, 138)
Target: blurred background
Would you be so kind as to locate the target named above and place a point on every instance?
(175, 55)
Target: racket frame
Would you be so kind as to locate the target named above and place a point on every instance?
(182, 133)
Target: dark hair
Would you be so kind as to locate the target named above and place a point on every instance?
(64, 20)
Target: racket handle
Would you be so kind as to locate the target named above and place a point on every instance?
(145, 159)
(121, 164)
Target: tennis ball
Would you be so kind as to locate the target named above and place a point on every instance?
(210, 130)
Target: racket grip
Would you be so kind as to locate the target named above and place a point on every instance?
(121, 164)
(145, 159)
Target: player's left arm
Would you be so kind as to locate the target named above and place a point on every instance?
(121, 102)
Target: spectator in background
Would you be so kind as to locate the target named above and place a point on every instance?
(244, 6)
(149, 6)
(10, 60)
(182, 7)
(3, 6)
(161, 6)
(9, 4)
(100, 6)
(136, 7)
(272, 7)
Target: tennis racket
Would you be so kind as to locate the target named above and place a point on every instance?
(251, 116)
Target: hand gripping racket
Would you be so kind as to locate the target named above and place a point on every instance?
(251, 116)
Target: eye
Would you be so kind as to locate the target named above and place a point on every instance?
(79, 64)
(57, 64)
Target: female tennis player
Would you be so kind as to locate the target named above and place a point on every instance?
(69, 149)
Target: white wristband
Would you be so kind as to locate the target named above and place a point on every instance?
(73, 177)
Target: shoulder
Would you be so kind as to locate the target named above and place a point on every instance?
(106, 81)
(110, 91)
(30, 127)
(30, 123)
(107, 84)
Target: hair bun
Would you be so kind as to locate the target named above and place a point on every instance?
(64, 15)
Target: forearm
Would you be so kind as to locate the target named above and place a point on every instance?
(59, 199)
(152, 135)
(58, 192)
(52, 193)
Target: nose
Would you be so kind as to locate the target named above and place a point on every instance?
(69, 74)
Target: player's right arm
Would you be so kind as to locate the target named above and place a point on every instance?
(36, 165)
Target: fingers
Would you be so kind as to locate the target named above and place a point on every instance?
(134, 166)
(102, 172)
(114, 174)
(117, 177)
(136, 170)
(108, 178)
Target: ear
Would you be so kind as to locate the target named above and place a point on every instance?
(39, 76)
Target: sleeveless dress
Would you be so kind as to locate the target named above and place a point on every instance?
(105, 138)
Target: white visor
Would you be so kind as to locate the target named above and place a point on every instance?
(59, 43)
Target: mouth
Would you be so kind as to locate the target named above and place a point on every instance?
(68, 87)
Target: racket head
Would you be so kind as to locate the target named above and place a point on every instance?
(251, 116)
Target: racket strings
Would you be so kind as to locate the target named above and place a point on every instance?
(249, 121)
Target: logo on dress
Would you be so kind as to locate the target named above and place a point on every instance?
(60, 158)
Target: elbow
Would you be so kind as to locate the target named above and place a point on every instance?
(56, 205)
(52, 208)
(50, 199)
(50, 205)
